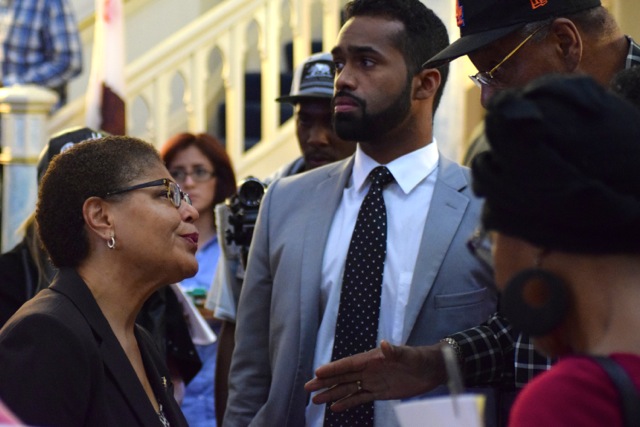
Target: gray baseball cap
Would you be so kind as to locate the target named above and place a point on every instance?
(312, 79)
(62, 141)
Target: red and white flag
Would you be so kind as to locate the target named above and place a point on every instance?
(105, 108)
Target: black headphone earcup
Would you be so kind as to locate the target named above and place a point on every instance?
(535, 301)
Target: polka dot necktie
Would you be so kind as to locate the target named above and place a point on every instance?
(357, 324)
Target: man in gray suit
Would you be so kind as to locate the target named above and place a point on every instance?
(431, 284)
(510, 43)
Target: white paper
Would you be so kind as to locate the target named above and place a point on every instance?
(201, 333)
(440, 411)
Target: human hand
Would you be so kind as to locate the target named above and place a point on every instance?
(386, 372)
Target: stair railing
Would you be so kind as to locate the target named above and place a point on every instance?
(177, 85)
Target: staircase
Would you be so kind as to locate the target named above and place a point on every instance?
(212, 74)
(253, 101)
(253, 109)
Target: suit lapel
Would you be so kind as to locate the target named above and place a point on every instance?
(321, 210)
(446, 212)
(159, 378)
(127, 381)
(115, 360)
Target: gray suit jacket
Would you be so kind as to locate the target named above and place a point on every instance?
(279, 311)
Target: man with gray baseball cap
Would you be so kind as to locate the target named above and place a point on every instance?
(310, 95)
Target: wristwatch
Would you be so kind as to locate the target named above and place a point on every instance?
(456, 348)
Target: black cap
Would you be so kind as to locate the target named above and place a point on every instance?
(482, 22)
(62, 141)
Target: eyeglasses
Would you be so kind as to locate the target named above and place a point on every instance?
(486, 78)
(174, 194)
(197, 175)
(479, 245)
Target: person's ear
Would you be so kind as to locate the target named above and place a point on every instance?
(98, 217)
(569, 43)
(426, 83)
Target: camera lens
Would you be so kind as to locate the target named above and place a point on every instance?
(250, 192)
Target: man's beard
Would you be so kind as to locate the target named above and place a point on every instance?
(371, 126)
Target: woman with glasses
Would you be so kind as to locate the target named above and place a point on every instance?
(201, 166)
(199, 163)
(118, 228)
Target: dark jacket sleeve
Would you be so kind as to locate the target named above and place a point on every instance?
(16, 284)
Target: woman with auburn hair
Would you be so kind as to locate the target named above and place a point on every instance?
(201, 166)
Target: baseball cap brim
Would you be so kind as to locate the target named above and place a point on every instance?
(470, 43)
(293, 99)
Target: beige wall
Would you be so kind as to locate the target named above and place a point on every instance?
(627, 13)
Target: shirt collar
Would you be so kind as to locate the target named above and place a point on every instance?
(408, 170)
(209, 242)
(633, 57)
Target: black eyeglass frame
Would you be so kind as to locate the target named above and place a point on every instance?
(171, 192)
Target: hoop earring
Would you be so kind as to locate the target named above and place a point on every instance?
(111, 243)
(535, 301)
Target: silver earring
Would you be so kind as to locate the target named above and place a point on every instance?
(111, 243)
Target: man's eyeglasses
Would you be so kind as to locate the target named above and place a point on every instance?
(174, 194)
(480, 246)
(486, 78)
(197, 175)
